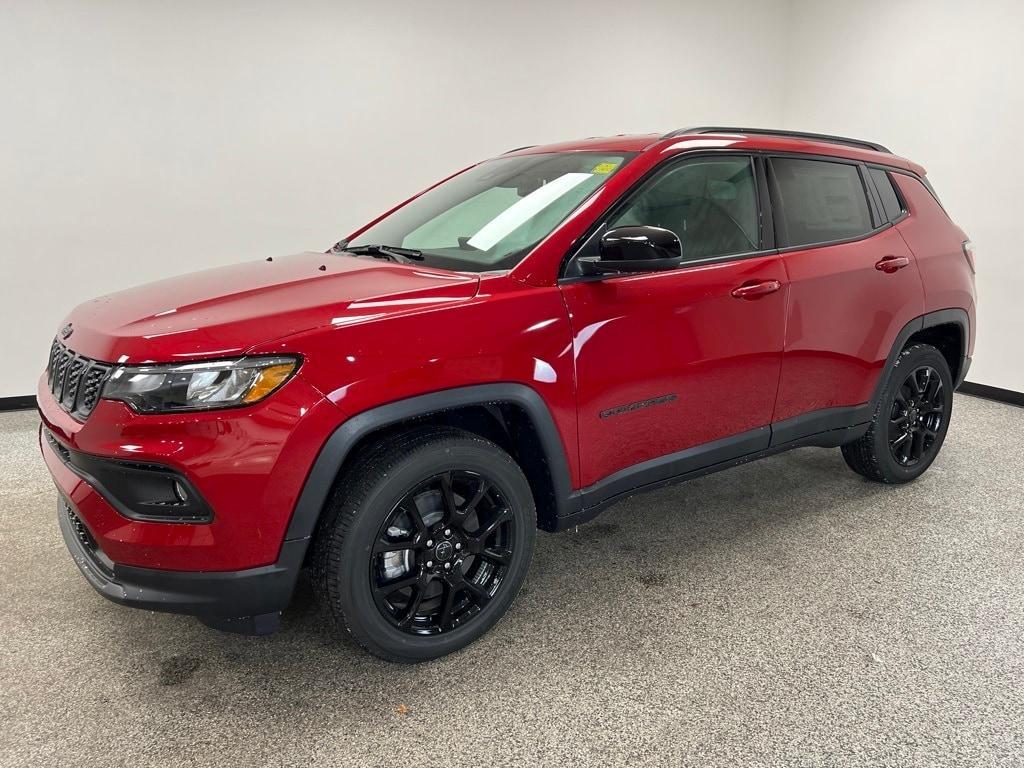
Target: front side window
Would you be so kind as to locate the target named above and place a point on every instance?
(491, 215)
(709, 203)
(819, 201)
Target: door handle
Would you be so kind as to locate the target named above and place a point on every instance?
(754, 290)
(891, 264)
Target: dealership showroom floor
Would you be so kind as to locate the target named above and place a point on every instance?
(781, 612)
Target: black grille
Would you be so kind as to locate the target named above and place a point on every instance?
(79, 528)
(75, 381)
(57, 446)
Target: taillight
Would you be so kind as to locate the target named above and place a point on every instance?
(969, 254)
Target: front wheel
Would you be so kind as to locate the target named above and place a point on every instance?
(425, 543)
(910, 423)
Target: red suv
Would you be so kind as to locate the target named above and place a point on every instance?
(516, 347)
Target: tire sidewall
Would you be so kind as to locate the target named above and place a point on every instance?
(353, 577)
(905, 363)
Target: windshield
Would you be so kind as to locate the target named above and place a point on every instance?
(491, 215)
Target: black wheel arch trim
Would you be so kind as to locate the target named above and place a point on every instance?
(336, 449)
(953, 316)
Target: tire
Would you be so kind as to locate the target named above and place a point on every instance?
(463, 582)
(904, 415)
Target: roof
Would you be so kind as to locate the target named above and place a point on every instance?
(624, 142)
(734, 138)
(817, 137)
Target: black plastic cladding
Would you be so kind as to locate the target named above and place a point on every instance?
(134, 489)
(824, 427)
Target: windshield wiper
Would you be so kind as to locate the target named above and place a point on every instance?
(389, 252)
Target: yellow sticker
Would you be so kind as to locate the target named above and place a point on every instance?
(604, 167)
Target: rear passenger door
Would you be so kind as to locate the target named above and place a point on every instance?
(853, 286)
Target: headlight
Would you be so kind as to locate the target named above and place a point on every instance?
(198, 386)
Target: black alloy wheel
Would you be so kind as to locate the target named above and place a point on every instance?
(917, 416)
(910, 420)
(425, 542)
(442, 553)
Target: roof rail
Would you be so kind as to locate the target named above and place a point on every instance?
(792, 134)
(528, 146)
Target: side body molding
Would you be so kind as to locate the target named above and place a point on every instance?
(339, 444)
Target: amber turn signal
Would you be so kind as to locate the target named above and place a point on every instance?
(267, 380)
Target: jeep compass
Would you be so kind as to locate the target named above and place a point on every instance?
(516, 347)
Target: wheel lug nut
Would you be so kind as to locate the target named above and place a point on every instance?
(430, 542)
(430, 563)
(447, 531)
(458, 546)
(447, 566)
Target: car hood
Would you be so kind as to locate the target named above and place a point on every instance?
(225, 311)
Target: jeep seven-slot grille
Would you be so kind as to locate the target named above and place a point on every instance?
(75, 381)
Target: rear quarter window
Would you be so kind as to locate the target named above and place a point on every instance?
(891, 203)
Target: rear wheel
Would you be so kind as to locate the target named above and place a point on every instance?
(425, 544)
(910, 423)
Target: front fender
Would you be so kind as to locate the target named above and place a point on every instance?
(339, 445)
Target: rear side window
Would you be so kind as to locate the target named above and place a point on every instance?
(820, 201)
(890, 200)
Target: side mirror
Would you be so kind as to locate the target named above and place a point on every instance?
(634, 249)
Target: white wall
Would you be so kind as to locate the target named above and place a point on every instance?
(942, 83)
(143, 139)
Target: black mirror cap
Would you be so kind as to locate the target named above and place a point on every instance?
(635, 249)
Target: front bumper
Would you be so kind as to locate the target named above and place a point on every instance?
(248, 601)
(246, 467)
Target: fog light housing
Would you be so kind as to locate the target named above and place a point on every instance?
(180, 492)
(146, 492)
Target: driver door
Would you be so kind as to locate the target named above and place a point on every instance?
(675, 369)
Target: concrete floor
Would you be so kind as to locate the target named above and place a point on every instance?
(785, 612)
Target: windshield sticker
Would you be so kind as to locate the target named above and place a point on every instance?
(604, 168)
(535, 202)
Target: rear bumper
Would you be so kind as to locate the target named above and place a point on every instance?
(247, 601)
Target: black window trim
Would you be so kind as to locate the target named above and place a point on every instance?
(904, 208)
(766, 229)
(922, 180)
(878, 214)
(767, 202)
(865, 179)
